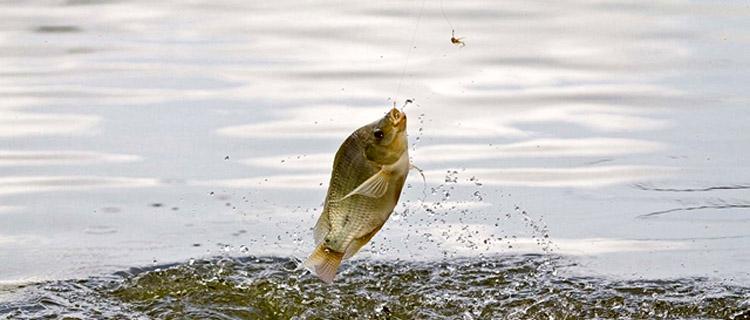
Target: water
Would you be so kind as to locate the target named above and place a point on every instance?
(508, 287)
(607, 137)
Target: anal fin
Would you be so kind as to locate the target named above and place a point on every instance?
(358, 243)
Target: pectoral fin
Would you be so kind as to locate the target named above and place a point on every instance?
(374, 187)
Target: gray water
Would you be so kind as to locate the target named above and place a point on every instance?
(613, 134)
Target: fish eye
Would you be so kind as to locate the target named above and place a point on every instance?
(378, 133)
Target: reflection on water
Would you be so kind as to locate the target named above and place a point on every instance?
(14, 124)
(14, 185)
(63, 157)
(560, 122)
(462, 153)
(565, 177)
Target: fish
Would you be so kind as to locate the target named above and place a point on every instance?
(368, 174)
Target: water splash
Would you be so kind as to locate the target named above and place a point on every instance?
(501, 287)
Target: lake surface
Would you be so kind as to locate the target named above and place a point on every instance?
(604, 141)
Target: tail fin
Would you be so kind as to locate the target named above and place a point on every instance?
(324, 263)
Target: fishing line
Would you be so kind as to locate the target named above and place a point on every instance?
(411, 47)
(401, 80)
(445, 16)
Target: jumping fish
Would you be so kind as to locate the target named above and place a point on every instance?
(369, 171)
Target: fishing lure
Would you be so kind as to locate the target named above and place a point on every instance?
(457, 41)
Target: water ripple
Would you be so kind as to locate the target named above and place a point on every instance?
(695, 208)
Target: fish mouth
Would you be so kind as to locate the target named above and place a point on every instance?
(397, 118)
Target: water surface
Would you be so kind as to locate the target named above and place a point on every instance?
(613, 134)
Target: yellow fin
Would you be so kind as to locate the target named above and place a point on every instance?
(374, 187)
(358, 243)
(324, 263)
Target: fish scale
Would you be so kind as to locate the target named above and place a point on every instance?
(354, 163)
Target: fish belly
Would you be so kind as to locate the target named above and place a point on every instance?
(356, 218)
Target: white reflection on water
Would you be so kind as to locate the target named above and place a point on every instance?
(5, 240)
(572, 247)
(20, 184)
(446, 121)
(4, 209)
(436, 153)
(18, 124)
(581, 177)
(584, 147)
(597, 117)
(38, 158)
(448, 205)
(311, 122)
(292, 181)
(313, 162)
